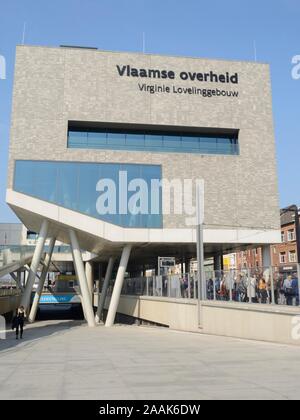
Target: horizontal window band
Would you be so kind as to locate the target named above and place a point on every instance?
(153, 141)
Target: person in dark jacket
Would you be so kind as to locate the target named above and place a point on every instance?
(295, 288)
(20, 317)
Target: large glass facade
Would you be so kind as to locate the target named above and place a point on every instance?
(154, 141)
(116, 193)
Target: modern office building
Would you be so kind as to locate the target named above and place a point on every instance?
(107, 149)
(11, 234)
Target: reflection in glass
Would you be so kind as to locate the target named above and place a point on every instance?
(75, 185)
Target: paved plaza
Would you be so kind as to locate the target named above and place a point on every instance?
(67, 360)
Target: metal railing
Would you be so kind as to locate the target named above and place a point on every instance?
(264, 285)
(171, 286)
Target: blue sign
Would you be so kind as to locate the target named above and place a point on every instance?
(69, 298)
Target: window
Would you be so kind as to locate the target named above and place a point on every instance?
(115, 139)
(282, 257)
(153, 141)
(94, 139)
(282, 237)
(75, 186)
(135, 140)
(291, 235)
(292, 256)
(31, 235)
(78, 138)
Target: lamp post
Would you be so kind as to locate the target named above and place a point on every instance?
(200, 246)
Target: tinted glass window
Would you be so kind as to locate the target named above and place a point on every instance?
(154, 142)
(120, 194)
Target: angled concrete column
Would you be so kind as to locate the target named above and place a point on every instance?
(25, 301)
(87, 304)
(114, 302)
(101, 299)
(17, 279)
(77, 288)
(41, 283)
(89, 278)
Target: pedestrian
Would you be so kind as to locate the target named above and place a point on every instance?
(262, 290)
(217, 287)
(289, 291)
(223, 290)
(252, 289)
(210, 289)
(19, 321)
(295, 288)
(186, 285)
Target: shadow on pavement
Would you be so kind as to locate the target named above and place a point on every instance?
(33, 332)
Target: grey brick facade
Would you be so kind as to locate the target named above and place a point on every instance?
(55, 85)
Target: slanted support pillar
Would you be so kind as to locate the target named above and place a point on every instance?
(102, 296)
(17, 279)
(41, 283)
(89, 278)
(25, 301)
(86, 300)
(114, 302)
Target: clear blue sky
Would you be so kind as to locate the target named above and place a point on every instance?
(201, 28)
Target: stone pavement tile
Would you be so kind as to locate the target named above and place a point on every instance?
(50, 395)
(165, 395)
(96, 394)
(291, 393)
(221, 383)
(133, 362)
(27, 392)
(243, 394)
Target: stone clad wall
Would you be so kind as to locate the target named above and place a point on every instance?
(54, 85)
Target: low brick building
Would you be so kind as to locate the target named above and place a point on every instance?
(284, 255)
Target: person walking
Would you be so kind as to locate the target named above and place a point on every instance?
(19, 321)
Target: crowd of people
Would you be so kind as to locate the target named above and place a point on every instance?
(255, 288)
